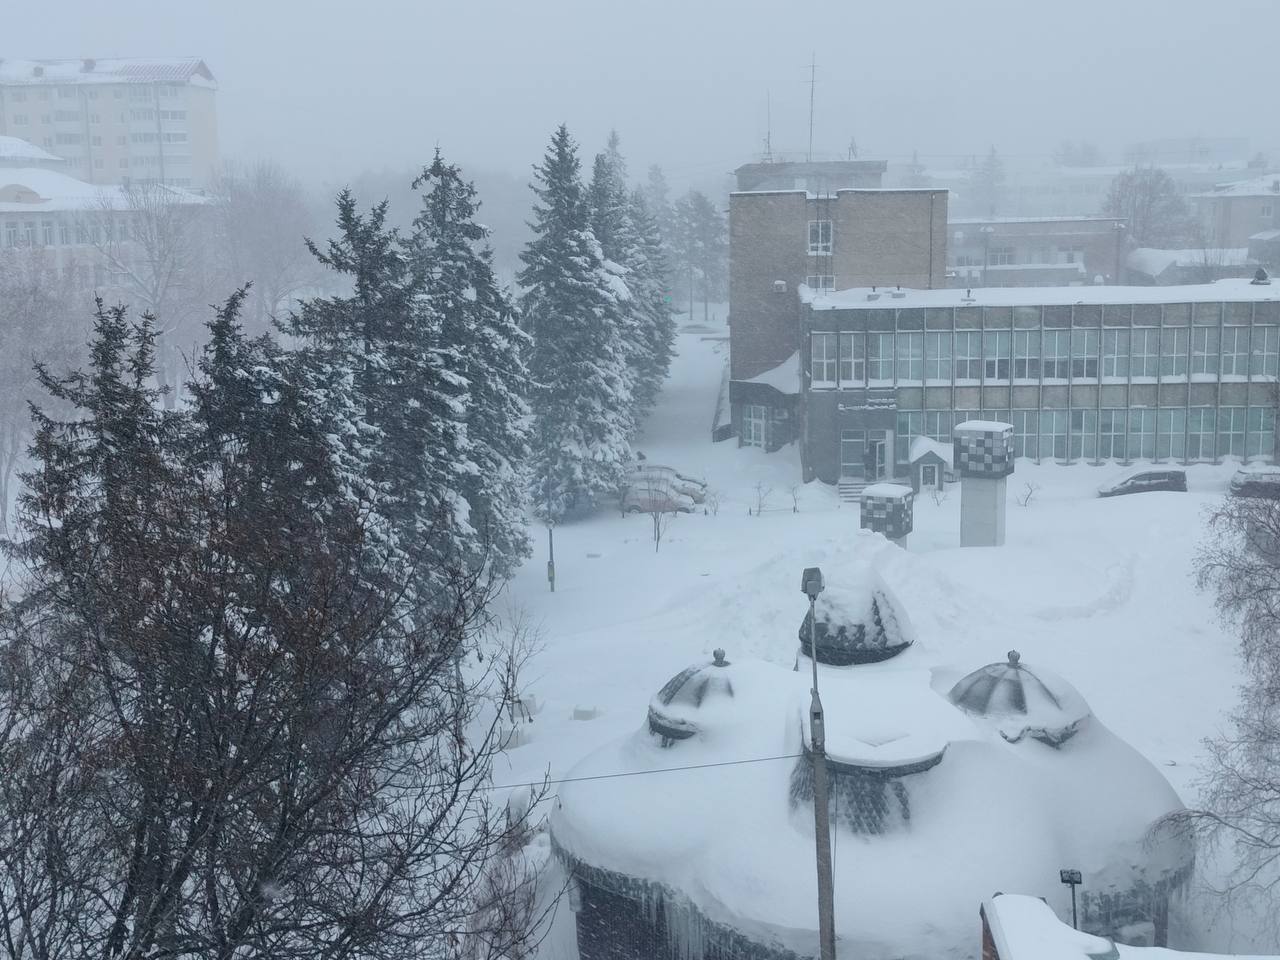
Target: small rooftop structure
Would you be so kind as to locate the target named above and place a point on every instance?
(16, 152)
(34, 190)
(1041, 705)
(859, 622)
(674, 710)
(820, 175)
(1264, 186)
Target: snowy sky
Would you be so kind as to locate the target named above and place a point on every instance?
(333, 88)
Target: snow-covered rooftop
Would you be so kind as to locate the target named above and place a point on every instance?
(891, 491)
(922, 445)
(977, 221)
(1264, 186)
(190, 70)
(857, 298)
(1153, 261)
(785, 377)
(15, 150)
(35, 190)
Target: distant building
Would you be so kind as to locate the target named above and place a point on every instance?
(826, 238)
(116, 120)
(1231, 213)
(1034, 251)
(1188, 150)
(1151, 265)
(817, 176)
(86, 234)
(1089, 373)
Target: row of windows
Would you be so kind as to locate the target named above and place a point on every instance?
(1174, 433)
(1008, 256)
(1063, 315)
(136, 92)
(48, 233)
(854, 360)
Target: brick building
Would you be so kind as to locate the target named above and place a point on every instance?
(825, 235)
(1090, 373)
(1034, 251)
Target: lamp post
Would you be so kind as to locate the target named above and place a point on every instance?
(811, 584)
(1072, 879)
(986, 230)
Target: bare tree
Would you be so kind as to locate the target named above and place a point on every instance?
(763, 492)
(1029, 491)
(260, 217)
(1148, 198)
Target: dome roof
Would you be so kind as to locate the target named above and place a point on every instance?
(674, 709)
(1039, 704)
(862, 623)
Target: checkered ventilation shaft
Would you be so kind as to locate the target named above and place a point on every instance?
(984, 452)
(891, 516)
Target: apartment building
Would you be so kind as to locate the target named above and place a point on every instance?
(90, 236)
(118, 120)
(1035, 251)
(824, 234)
(1096, 373)
(1231, 214)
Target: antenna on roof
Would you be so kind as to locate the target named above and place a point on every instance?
(768, 128)
(813, 83)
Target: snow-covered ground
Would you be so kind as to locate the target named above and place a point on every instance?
(1097, 590)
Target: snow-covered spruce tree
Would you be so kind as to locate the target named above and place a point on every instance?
(411, 438)
(649, 292)
(226, 729)
(485, 348)
(582, 408)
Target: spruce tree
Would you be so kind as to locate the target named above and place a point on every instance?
(581, 403)
(486, 347)
(649, 291)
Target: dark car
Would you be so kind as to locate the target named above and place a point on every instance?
(1146, 480)
(1261, 481)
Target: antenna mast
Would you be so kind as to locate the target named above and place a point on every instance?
(768, 127)
(813, 82)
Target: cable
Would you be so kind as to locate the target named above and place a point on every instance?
(643, 773)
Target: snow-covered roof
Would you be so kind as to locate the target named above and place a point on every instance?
(922, 445)
(1264, 186)
(922, 793)
(1021, 702)
(1154, 261)
(1265, 235)
(1217, 292)
(977, 221)
(190, 70)
(983, 426)
(35, 190)
(1026, 928)
(888, 491)
(785, 377)
(14, 150)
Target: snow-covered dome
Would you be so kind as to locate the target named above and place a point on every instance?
(858, 623)
(674, 710)
(1038, 704)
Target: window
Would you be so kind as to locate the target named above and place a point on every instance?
(1171, 428)
(1235, 351)
(755, 424)
(67, 139)
(1173, 352)
(822, 360)
(819, 236)
(10, 234)
(968, 362)
(1142, 434)
(1200, 430)
(1231, 431)
(64, 234)
(1026, 354)
(46, 232)
(142, 137)
(173, 114)
(139, 93)
(182, 138)
(1262, 431)
(823, 281)
(1111, 444)
(910, 357)
(880, 357)
(1145, 358)
(95, 141)
(1115, 353)
(1057, 354)
(1204, 350)
(910, 425)
(66, 116)
(852, 453)
(1026, 426)
(1084, 354)
(995, 354)
(937, 349)
(1071, 254)
(66, 93)
(853, 359)
(1053, 434)
(1084, 434)
(21, 120)
(1265, 211)
(142, 116)
(1263, 361)
(1002, 256)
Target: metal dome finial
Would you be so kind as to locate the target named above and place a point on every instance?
(1014, 658)
(719, 660)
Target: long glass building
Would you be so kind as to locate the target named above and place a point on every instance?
(1179, 374)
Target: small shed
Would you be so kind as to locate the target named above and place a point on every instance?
(930, 464)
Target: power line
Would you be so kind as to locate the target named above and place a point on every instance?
(643, 773)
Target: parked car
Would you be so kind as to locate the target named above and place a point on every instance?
(695, 489)
(650, 494)
(1258, 480)
(1145, 480)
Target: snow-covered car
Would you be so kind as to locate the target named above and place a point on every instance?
(653, 494)
(695, 489)
(1257, 480)
(1145, 480)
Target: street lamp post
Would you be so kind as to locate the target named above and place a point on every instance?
(986, 230)
(1072, 879)
(811, 584)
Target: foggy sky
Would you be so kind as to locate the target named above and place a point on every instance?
(332, 89)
